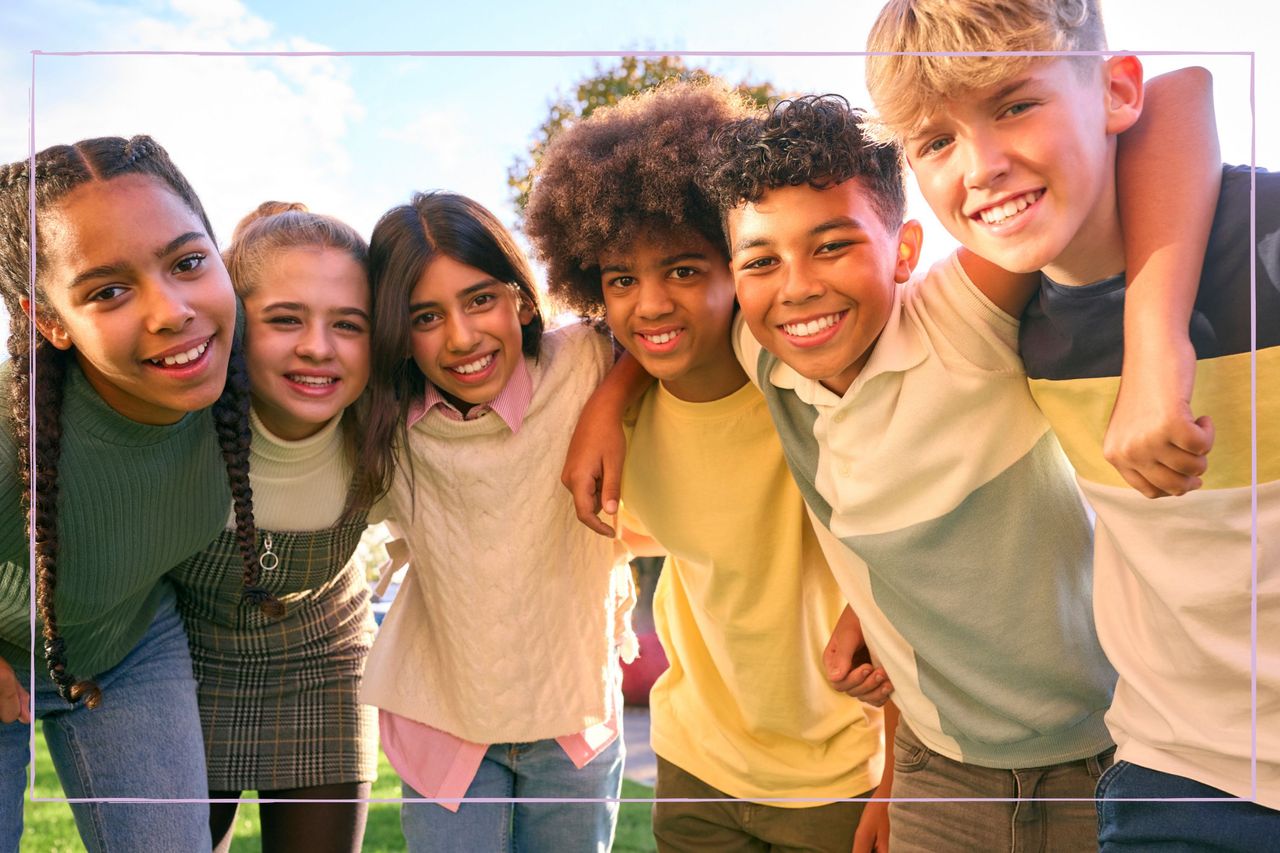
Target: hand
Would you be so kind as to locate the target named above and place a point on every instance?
(848, 663)
(593, 467)
(1153, 440)
(15, 702)
(872, 835)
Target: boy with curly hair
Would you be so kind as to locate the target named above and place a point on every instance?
(984, 135)
(745, 600)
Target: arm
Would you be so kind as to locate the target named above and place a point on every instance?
(593, 466)
(872, 835)
(1168, 171)
(848, 663)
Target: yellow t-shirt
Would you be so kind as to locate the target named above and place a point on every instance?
(744, 606)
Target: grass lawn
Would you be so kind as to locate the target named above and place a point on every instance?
(51, 829)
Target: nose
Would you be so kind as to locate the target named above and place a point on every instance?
(461, 336)
(167, 307)
(985, 160)
(800, 283)
(652, 300)
(316, 343)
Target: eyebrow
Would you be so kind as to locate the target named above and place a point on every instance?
(821, 228)
(930, 127)
(106, 270)
(466, 291)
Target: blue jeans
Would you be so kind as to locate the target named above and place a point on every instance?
(1178, 827)
(143, 741)
(524, 770)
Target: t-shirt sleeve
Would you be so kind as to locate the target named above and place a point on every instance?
(965, 327)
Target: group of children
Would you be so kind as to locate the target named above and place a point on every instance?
(867, 481)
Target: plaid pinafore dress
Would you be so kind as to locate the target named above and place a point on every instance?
(278, 696)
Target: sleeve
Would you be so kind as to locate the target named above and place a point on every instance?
(965, 327)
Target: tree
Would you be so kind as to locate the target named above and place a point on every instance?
(605, 87)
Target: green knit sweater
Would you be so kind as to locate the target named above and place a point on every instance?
(134, 501)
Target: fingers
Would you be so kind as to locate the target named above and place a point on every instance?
(865, 683)
(24, 709)
(611, 481)
(586, 501)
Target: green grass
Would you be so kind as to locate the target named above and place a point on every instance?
(51, 829)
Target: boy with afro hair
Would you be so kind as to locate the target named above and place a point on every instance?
(745, 601)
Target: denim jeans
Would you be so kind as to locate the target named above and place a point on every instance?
(1026, 823)
(1178, 827)
(540, 769)
(143, 741)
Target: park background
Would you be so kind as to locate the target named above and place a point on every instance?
(355, 135)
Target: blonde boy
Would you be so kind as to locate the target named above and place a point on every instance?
(1016, 158)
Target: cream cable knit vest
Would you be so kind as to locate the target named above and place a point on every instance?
(504, 629)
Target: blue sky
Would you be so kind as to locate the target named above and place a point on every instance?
(355, 135)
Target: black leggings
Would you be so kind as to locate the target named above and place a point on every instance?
(314, 827)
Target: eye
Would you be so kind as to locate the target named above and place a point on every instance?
(620, 282)
(934, 146)
(426, 318)
(190, 263)
(1019, 108)
(834, 246)
(759, 264)
(683, 272)
(283, 320)
(107, 294)
(349, 326)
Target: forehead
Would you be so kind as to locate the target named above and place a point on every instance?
(656, 242)
(1056, 74)
(129, 213)
(318, 273)
(444, 278)
(795, 211)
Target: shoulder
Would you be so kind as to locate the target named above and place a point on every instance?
(947, 304)
(578, 344)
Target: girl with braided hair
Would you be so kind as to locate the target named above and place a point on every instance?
(140, 424)
(278, 694)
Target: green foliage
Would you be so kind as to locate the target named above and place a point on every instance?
(605, 87)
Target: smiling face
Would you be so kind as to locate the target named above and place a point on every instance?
(1023, 172)
(465, 330)
(815, 272)
(669, 300)
(307, 339)
(141, 294)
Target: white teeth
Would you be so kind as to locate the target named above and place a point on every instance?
(474, 366)
(996, 214)
(182, 357)
(663, 338)
(311, 380)
(804, 330)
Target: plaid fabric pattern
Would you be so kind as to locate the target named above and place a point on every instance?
(278, 697)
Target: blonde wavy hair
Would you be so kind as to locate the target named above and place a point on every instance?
(906, 89)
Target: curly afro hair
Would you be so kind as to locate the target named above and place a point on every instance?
(817, 140)
(603, 181)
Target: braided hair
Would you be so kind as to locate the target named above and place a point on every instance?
(59, 170)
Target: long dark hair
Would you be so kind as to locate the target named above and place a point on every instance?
(405, 241)
(58, 171)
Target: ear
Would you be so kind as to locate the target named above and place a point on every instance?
(50, 328)
(1124, 92)
(526, 312)
(910, 238)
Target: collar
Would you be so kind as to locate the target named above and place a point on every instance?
(511, 404)
(897, 350)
